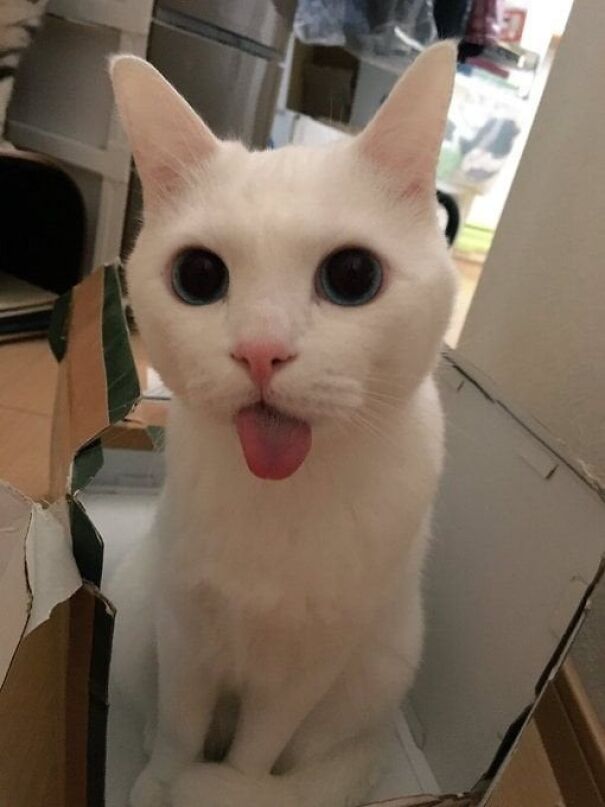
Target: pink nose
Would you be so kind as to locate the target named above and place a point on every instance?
(262, 359)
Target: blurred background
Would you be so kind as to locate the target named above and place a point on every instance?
(273, 72)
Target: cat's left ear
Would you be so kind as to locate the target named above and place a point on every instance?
(166, 135)
(404, 137)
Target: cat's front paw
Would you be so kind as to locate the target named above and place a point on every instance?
(148, 791)
(210, 785)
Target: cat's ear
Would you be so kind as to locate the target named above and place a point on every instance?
(166, 135)
(404, 137)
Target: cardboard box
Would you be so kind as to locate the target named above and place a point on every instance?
(55, 626)
(322, 82)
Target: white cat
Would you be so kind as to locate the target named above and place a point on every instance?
(295, 302)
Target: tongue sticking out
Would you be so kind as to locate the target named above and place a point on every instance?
(274, 445)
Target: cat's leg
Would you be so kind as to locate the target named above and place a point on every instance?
(340, 779)
(269, 718)
(187, 694)
(369, 689)
(220, 785)
(335, 753)
(133, 676)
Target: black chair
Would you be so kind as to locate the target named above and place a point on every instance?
(450, 205)
(42, 231)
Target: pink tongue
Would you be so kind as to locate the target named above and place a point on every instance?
(274, 445)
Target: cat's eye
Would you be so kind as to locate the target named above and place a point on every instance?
(349, 277)
(199, 277)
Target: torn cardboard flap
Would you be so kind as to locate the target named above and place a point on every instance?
(52, 573)
(37, 569)
(37, 565)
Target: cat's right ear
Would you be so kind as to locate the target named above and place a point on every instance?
(166, 135)
(404, 137)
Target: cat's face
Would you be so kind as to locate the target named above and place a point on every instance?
(315, 281)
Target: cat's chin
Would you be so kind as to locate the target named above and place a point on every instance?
(275, 444)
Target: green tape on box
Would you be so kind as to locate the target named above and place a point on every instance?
(59, 325)
(87, 545)
(87, 463)
(122, 381)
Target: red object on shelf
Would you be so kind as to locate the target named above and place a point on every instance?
(513, 25)
(487, 64)
(485, 22)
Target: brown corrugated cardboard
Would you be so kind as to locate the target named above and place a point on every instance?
(529, 780)
(55, 629)
(578, 700)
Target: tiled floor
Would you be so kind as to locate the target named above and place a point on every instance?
(123, 516)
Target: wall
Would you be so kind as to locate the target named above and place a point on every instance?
(536, 329)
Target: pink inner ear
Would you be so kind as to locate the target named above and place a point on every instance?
(415, 190)
(159, 183)
(163, 168)
(403, 138)
(410, 173)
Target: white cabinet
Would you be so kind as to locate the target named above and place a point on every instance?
(63, 106)
(125, 15)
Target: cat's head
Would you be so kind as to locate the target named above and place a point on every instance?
(293, 291)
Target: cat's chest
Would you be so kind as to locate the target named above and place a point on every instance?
(295, 549)
(272, 597)
(254, 559)
(256, 538)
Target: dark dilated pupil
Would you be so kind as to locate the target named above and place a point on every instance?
(201, 274)
(351, 273)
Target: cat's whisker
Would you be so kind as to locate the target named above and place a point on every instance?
(384, 397)
(360, 420)
(385, 382)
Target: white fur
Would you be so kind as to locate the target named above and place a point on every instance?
(301, 596)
